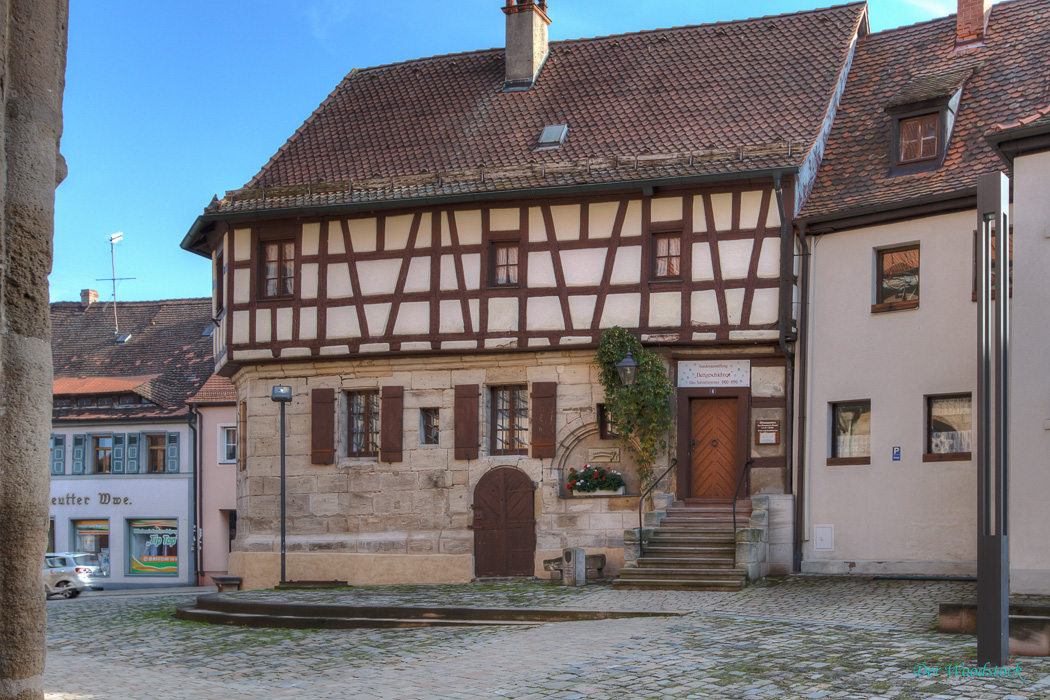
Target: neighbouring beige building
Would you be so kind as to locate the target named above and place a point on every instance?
(888, 406)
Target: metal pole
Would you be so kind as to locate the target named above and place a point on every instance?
(283, 578)
(993, 439)
(113, 267)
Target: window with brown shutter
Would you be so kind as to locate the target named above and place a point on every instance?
(544, 412)
(510, 420)
(322, 426)
(466, 421)
(362, 423)
(242, 435)
(391, 420)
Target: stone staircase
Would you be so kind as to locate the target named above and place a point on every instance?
(692, 549)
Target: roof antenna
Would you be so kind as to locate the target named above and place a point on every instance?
(113, 240)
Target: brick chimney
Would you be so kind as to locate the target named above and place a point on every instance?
(972, 21)
(526, 42)
(87, 298)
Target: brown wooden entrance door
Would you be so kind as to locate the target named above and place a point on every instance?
(713, 448)
(504, 524)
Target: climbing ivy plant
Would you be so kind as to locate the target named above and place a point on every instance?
(641, 413)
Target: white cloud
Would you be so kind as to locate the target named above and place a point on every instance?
(326, 15)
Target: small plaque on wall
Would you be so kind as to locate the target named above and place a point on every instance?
(767, 432)
(603, 455)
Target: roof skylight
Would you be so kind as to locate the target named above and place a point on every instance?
(552, 137)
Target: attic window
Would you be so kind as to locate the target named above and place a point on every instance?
(123, 339)
(918, 138)
(207, 330)
(552, 137)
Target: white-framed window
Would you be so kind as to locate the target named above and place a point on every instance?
(227, 443)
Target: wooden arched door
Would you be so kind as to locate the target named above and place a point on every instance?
(504, 524)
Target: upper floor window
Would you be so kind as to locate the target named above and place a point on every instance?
(510, 420)
(155, 451)
(228, 446)
(851, 433)
(363, 424)
(918, 138)
(103, 454)
(278, 274)
(949, 434)
(896, 278)
(667, 256)
(505, 263)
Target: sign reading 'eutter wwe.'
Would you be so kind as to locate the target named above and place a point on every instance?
(714, 373)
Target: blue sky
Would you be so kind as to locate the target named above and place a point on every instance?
(169, 103)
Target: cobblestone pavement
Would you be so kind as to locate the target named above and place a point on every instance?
(803, 637)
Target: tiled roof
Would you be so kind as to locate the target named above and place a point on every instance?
(726, 97)
(216, 390)
(1010, 80)
(166, 360)
(1039, 117)
(100, 385)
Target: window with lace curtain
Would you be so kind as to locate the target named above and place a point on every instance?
(667, 256)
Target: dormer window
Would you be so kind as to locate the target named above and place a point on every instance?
(922, 116)
(919, 138)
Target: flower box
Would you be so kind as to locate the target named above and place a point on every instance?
(597, 481)
(590, 494)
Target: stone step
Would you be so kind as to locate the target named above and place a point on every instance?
(710, 562)
(685, 551)
(695, 538)
(690, 574)
(684, 585)
(698, 525)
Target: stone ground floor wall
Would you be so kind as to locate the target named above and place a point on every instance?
(370, 521)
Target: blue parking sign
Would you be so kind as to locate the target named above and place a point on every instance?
(896, 454)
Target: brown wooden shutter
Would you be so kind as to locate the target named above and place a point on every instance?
(466, 423)
(391, 423)
(322, 426)
(543, 412)
(242, 435)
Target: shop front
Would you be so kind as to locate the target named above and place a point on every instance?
(138, 527)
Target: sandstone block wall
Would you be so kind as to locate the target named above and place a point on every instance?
(32, 70)
(419, 507)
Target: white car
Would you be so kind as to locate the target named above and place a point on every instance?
(66, 574)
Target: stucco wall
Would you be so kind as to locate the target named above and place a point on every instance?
(218, 488)
(1030, 379)
(905, 516)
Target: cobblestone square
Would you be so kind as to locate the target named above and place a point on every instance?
(801, 637)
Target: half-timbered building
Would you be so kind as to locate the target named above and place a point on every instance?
(429, 262)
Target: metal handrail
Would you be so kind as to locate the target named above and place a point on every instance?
(641, 500)
(747, 471)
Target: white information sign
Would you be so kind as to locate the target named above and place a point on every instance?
(714, 373)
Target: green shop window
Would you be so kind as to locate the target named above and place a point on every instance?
(154, 549)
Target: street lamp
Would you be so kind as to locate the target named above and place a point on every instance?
(627, 368)
(282, 395)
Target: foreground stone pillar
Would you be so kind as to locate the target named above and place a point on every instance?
(32, 70)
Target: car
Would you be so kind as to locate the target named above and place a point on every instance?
(67, 574)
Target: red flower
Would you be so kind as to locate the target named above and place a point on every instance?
(572, 484)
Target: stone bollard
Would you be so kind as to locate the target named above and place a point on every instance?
(574, 566)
